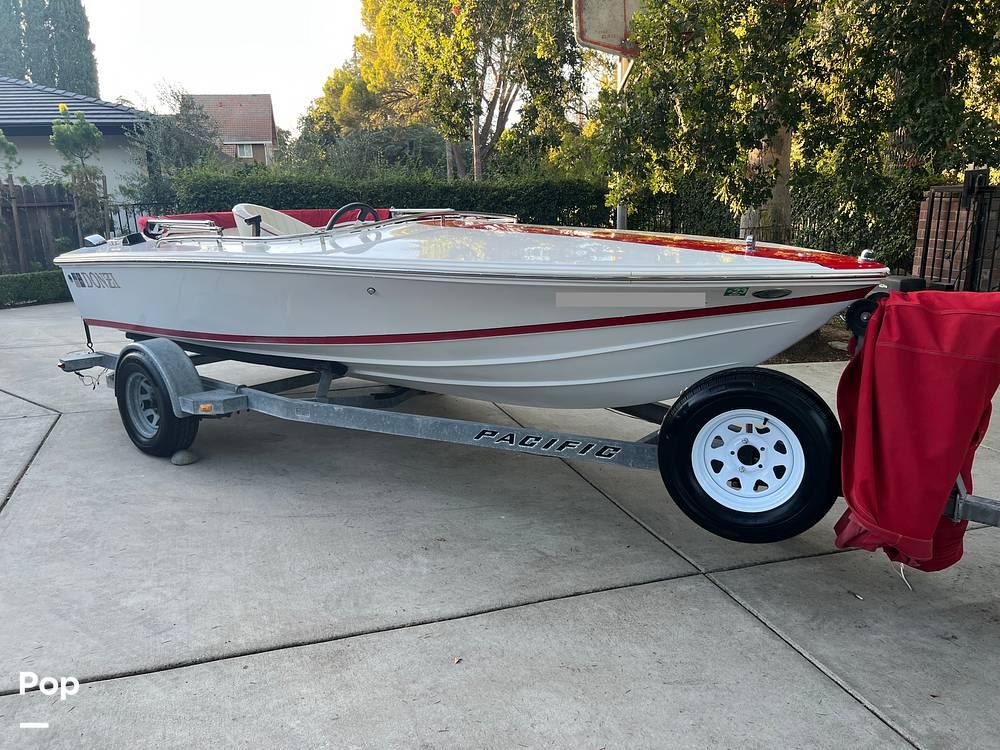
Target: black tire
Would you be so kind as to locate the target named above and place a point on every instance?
(162, 433)
(811, 485)
(858, 314)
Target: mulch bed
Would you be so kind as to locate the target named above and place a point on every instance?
(828, 344)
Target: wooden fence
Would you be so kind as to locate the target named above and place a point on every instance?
(36, 224)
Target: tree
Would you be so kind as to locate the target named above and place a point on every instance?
(311, 149)
(892, 94)
(11, 44)
(39, 54)
(78, 141)
(73, 50)
(387, 63)
(8, 154)
(347, 103)
(861, 89)
(546, 143)
(163, 144)
(75, 138)
(718, 87)
(469, 63)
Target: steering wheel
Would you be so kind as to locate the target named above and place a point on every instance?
(363, 210)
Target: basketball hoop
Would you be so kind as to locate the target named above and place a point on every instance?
(606, 25)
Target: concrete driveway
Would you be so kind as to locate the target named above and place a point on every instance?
(309, 587)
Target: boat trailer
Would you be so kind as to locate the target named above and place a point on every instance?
(169, 388)
(194, 395)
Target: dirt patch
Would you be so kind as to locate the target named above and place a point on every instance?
(828, 344)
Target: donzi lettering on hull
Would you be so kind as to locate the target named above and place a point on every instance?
(533, 443)
(92, 280)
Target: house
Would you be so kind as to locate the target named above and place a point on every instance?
(26, 115)
(245, 123)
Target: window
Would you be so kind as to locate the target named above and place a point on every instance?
(244, 151)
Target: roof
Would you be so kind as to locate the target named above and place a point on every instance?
(241, 118)
(26, 108)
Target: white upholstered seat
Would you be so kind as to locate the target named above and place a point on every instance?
(271, 222)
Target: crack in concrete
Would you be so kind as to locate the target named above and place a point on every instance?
(709, 575)
(816, 663)
(182, 664)
(699, 571)
(642, 524)
(27, 465)
(29, 401)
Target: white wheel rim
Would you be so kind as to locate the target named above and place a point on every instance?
(748, 461)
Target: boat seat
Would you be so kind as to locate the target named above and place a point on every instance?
(272, 222)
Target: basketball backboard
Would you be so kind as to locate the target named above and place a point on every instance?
(605, 25)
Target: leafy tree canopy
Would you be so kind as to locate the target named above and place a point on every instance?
(39, 53)
(76, 139)
(48, 41)
(401, 150)
(11, 39)
(347, 103)
(72, 48)
(163, 144)
(858, 87)
(464, 65)
(8, 155)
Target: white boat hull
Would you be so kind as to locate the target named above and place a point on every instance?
(561, 343)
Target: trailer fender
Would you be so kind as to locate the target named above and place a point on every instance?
(173, 365)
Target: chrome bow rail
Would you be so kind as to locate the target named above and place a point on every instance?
(186, 230)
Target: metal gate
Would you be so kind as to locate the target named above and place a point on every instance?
(958, 236)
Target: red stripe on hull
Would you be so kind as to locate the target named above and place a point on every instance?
(834, 261)
(477, 333)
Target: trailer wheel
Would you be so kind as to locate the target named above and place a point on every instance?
(751, 455)
(146, 412)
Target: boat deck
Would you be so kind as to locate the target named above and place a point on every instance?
(464, 246)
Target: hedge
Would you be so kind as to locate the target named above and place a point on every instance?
(879, 213)
(536, 201)
(690, 209)
(28, 288)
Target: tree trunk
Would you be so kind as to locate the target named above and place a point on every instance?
(477, 154)
(772, 222)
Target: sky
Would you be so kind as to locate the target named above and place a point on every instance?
(285, 49)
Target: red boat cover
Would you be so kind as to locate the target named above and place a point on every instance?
(314, 217)
(914, 404)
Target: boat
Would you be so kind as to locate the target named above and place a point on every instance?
(466, 304)
(481, 306)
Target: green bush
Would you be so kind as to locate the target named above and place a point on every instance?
(536, 201)
(878, 213)
(690, 209)
(27, 288)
